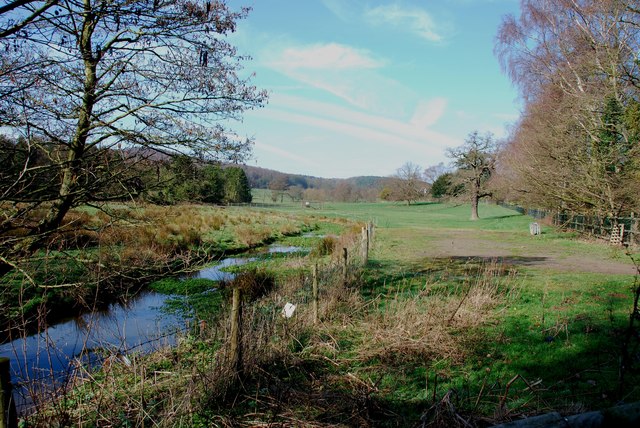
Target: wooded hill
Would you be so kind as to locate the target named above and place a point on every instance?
(342, 189)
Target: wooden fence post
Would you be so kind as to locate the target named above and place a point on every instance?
(365, 244)
(345, 271)
(236, 316)
(8, 416)
(315, 293)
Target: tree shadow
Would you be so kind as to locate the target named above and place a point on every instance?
(500, 217)
(503, 260)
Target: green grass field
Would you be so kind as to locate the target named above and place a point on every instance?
(551, 339)
(449, 323)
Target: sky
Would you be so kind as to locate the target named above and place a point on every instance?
(361, 87)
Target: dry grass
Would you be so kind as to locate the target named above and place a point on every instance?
(178, 386)
(426, 325)
(251, 235)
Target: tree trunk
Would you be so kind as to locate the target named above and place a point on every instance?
(67, 195)
(475, 197)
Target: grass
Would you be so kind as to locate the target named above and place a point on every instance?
(561, 329)
(98, 256)
(451, 321)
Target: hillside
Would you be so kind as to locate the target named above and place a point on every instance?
(261, 178)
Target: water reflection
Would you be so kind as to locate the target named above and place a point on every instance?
(49, 357)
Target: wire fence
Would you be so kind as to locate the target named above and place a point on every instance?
(622, 230)
(313, 294)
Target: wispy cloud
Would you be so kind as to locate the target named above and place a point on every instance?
(390, 132)
(429, 112)
(281, 152)
(339, 8)
(415, 20)
(330, 56)
(348, 73)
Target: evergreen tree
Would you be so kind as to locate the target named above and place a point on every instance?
(236, 186)
(212, 184)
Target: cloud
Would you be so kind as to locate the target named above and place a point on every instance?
(280, 152)
(415, 20)
(391, 132)
(330, 56)
(348, 73)
(339, 8)
(429, 112)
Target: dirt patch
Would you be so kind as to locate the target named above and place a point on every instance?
(459, 245)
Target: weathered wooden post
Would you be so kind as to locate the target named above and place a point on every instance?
(365, 245)
(8, 416)
(236, 316)
(345, 257)
(315, 293)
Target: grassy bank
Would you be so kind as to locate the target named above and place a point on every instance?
(451, 323)
(99, 256)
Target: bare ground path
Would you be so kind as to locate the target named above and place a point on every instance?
(536, 252)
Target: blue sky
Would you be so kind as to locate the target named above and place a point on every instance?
(360, 87)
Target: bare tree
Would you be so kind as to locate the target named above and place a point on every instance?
(23, 13)
(475, 161)
(431, 173)
(575, 64)
(407, 184)
(279, 187)
(97, 87)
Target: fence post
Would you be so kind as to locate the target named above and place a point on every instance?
(365, 244)
(8, 416)
(236, 316)
(345, 271)
(315, 293)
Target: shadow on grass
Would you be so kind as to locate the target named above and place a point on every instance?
(306, 392)
(417, 204)
(574, 362)
(534, 360)
(503, 260)
(501, 217)
(381, 274)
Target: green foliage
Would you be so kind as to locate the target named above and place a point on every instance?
(236, 186)
(212, 182)
(184, 180)
(443, 186)
(609, 144)
(182, 286)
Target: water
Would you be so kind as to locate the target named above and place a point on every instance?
(215, 273)
(140, 326)
(279, 249)
(48, 358)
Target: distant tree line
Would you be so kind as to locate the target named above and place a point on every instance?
(294, 187)
(183, 179)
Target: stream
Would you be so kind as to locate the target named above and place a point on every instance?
(139, 326)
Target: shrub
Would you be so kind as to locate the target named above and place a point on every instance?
(254, 283)
(325, 247)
